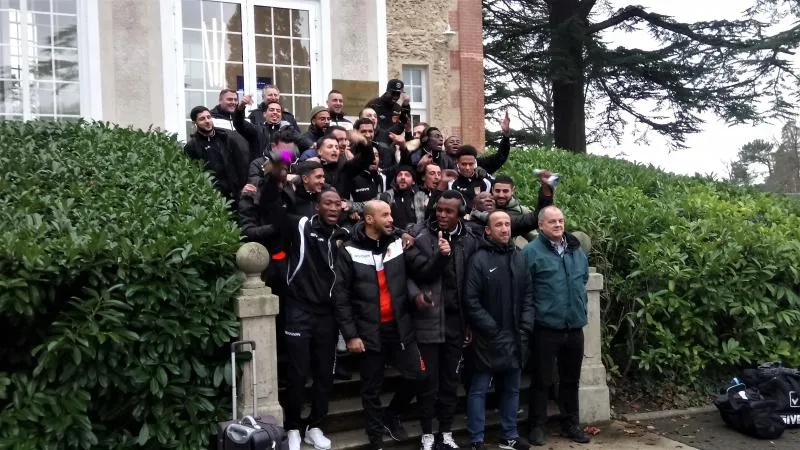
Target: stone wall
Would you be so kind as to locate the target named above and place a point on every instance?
(131, 62)
(416, 36)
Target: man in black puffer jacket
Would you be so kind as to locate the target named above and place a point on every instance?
(259, 137)
(498, 302)
(439, 324)
(371, 301)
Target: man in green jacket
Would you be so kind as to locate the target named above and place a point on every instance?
(559, 269)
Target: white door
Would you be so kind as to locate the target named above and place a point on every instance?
(245, 45)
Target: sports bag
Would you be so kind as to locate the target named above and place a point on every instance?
(745, 410)
(780, 384)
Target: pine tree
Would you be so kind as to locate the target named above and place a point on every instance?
(551, 54)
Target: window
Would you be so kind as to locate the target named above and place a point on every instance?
(44, 69)
(416, 87)
(246, 45)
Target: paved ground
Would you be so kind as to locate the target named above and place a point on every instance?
(708, 432)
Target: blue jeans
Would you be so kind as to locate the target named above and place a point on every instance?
(509, 403)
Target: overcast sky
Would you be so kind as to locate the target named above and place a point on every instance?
(709, 150)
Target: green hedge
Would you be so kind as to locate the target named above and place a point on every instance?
(701, 277)
(116, 277)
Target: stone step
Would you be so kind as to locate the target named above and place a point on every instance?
(345, 413)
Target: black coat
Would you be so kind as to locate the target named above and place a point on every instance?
(257, 117)
(259, 137)
(256, 218)
(225, 155)
(498, 280)
(367, 185)
(340, 174)
(309, 138)
(383, 108)
(429, 324)
(470, 187)
(356, 295)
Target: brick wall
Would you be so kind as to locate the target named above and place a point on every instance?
(455, 63)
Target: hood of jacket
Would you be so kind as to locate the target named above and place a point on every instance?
(361, 239)
(218, 112)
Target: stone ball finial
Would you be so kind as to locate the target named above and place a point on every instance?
(586, 241)
(252, 258)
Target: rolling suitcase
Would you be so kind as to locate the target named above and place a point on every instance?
(251, 432)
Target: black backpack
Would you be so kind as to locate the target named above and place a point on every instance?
(745, 410)
(780, 384)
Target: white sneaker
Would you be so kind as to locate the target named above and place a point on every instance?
(294, 439)
(448, 442)
(427, 442)
(315, 438)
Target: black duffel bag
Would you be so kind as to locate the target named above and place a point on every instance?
(780, 384)
(745, 410)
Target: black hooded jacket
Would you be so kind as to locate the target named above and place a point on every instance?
(356, 294)
(498, 304)
(259, 137)
(383, 107)
(340, 174)
(257, 117)
(429, 324)
(225, 155)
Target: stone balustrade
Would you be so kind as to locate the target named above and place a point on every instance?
(257, 307)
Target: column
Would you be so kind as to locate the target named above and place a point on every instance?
(594, 400)
(256, 308)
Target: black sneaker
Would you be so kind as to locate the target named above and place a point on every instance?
(393, 427)
(575, 434)
(537, 436)
(477, 446)
(512, 444)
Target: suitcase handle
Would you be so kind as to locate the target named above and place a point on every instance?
(239, 434)
(234, 345)
(253, 423)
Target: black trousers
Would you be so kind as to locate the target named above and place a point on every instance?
(408, 360)
(547, 347)
(438, 392)
(311, 345)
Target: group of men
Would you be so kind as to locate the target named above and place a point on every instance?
(399, 243)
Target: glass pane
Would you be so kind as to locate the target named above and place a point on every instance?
(190, 11)
(41, 66)
(302, 81)
(232, 15)
(263, 50)
(416, 77)
(212, 14)
(283, 78)
(42, 29)
(193, 76)
(64, 6)
(263, 20)
(69, 99)
(10, 4)
(189, 128)
(39, 5)
(282, 22)
(232, 72)
(192, 44)
(42, 98)
(10, 96)
(300, 25)
(416, 94)
(66, 65)
(234, 47)
(302, 109)
(65, 31)
(194, 98)
(265, 72)
(283, 51)
(301, 52)
(406, 76)
(210, 99)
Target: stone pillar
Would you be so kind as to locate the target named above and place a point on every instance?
(256, 308)
(594, 399)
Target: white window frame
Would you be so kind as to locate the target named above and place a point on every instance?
(89, 77)
(418, 108)
(172, 50)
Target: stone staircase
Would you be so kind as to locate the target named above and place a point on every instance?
(346, 421)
